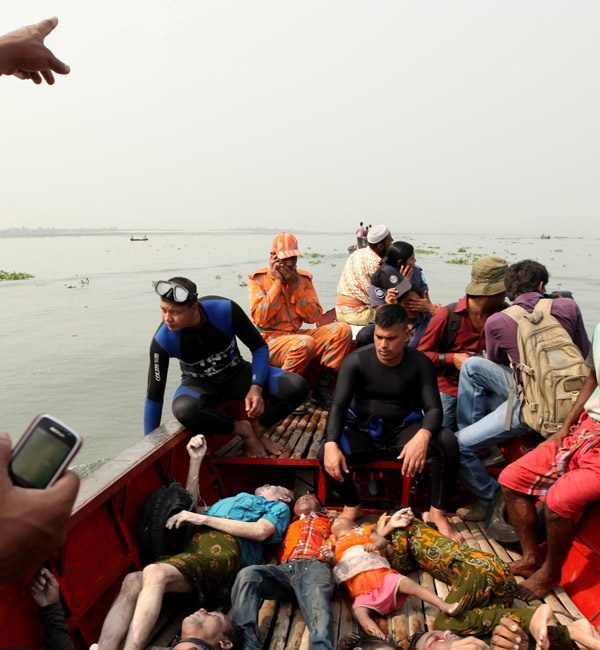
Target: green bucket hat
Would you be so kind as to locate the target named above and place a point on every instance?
(487, 277)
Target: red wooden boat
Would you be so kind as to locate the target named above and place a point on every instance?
(102, 541)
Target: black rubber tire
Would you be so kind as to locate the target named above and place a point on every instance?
(154, 539)
(498, 523)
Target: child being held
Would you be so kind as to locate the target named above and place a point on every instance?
(356, 553)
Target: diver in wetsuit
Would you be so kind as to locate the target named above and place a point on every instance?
(201, 333)
(396, 412)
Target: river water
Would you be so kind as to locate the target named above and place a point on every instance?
(75, 337)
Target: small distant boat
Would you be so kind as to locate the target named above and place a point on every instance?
(545, 236)
(144, 238)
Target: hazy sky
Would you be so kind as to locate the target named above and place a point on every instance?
(433, 116)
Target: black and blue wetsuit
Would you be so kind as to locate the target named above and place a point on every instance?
(213, 370)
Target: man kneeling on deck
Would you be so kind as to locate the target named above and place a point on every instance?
(396, 412)
(282, 298)
(201, 333)
(229, 535)
(303, 575)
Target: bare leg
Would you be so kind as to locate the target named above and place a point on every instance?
(363, 617)
(119, 617)
(412, 588)
(538, 628)
(561, 532)
(352, 512)
(523, 515)
(440, 519)
(253, 445)
(583, 632)
(270, 446)
(158, 579)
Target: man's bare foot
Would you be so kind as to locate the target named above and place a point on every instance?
(582, 632)
(272, 447)
(450, 608)
(444, 526)
(352, 512)
(536, 586)
(253, 446)
(538, 628)
(525, 567)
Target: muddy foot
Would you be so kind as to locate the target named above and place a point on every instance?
(444, 526)
(536, 586)
(271, 446)
(523, 567)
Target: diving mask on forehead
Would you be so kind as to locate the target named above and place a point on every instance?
(174, 292)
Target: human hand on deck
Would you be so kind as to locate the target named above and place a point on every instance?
(401, 518)
(335, 461)
(255, 404)
(414, 453)
(185, 517)
(24, 55)
(44, 588)
(196, 447)
(507, 635)
(33, 522)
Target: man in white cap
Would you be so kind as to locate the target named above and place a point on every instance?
(282, 298)
(353, 305)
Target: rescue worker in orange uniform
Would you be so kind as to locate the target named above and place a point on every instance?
(282, 298)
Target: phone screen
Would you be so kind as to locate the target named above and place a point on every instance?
(40, 458)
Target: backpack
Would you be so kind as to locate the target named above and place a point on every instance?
(552, 369)
(452, 327)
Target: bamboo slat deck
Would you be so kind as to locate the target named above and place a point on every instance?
(282, 625)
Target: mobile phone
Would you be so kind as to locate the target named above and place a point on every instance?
(45, 450)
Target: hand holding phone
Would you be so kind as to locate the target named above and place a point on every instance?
(33, 522)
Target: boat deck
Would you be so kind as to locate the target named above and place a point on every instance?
(282, 625)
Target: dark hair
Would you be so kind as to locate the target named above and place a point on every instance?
(414, 639)
(190, 286)
(389, 315)
(524, 277)
(236, 636)
(368, 642)
(398, 253)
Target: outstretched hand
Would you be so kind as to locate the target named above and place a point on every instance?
(507, 635)
(185, 517)
(24, 55)
(33, 522)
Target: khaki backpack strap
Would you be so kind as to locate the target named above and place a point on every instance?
(545, 304)
(511, 395)
(516, 312)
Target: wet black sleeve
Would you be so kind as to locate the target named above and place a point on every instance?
(348, 381)
(56, 632)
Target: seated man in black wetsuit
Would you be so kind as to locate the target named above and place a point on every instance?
(396, 412)
(201, 333)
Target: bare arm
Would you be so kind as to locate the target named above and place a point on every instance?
(258, 531)
(24, 55)
(196, 448)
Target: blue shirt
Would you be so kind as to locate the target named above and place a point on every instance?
(250, 508)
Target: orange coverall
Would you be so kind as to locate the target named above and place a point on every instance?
(280, 312)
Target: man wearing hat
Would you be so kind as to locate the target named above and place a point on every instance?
(456, 332)
(353, 305)
(282, 298)
(478, 426)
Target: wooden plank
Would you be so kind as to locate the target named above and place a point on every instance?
(282, 625)
(319, 434)
(297, 630)
(431, 612)
(265, 618)
(307, 436)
